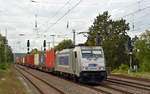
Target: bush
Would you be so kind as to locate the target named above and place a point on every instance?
(145, 66)
(115, 71)
(9, 64)
(133, 70)
(123, 68)
(2, 66)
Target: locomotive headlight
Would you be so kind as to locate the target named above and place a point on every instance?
(85, 68)
(101, 68)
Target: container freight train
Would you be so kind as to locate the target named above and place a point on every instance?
(81, 63)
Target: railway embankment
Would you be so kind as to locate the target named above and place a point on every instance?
(10, 82)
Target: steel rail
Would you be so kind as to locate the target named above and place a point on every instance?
(122, 83)
(61, 92)
(38, 89)
(129, 82)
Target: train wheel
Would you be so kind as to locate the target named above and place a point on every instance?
(75, 79)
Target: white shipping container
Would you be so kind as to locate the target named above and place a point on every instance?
(36, 59)
(23, 60)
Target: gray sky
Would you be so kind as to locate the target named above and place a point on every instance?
(18, 16)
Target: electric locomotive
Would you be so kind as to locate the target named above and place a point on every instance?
(83, 63)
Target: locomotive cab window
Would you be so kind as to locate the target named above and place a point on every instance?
(92, 53)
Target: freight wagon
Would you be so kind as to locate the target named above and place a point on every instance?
(36, 61)
(26, 60)
(50, 60)
(19, 60)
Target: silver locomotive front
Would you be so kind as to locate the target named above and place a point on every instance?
(92, 64)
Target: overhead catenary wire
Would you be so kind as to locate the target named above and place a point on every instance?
(142, 27)
(64, 15)
(57, 12)
(53, 24)
(61, 8)
(137, 11)
(139, 18)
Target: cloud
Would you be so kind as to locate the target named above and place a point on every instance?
(18, 16)
(115, 12)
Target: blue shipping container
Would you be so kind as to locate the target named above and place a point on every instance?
(42, 59)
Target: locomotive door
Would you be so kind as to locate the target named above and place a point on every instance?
(74, 62)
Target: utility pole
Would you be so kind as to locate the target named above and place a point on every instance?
(130, 51)
(0, 47)
(53, 40)
(98, 39)
(0, 53)
(130, 60)
(41, 47)
(0, 50)
(21, 35)
(14, 57)
(48, 45)
(139, 4)
(36, 24)
(5, 45)
(74, 36)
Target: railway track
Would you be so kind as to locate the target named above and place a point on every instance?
(111, 88)
(128, 83)
(129, 77)
(83, 85)
(98, 88)
(22, 72)
(116, 89)
(144, 85)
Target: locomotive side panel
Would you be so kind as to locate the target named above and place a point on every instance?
(64, 62)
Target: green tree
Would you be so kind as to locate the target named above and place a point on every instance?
(113, 39)
(143, 52)
(34, 51)
(3, 41)
(64, 44)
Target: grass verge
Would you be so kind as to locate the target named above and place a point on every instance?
(140, 75)
(10, 83)
(123, 69)
(145, 75)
